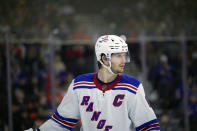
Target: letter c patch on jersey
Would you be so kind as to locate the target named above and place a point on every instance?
(118, 100)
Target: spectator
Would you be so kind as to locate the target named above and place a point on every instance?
(164, 78)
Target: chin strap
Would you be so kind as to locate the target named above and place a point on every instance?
(108, 67)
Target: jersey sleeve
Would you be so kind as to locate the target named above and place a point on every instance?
(142, 114)
(67, 114)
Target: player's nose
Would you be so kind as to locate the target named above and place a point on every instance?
(123, 60)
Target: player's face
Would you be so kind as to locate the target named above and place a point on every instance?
(118, 62)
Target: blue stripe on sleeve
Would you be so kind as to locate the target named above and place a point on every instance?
(66, 119)
(146, 124)
(122, 88)
(69, 128)
(153, 129)
(84, 87)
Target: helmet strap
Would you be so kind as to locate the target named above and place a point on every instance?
(108, 67)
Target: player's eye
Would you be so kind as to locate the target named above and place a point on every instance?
(119, 55)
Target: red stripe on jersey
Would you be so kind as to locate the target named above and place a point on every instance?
(83, 83)
(128, 86)
(64, 122)
(150, 126)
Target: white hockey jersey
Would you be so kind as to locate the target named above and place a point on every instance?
(117, 106)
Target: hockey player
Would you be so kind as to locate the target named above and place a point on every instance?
(106, 100)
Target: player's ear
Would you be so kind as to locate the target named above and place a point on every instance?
(104, 60)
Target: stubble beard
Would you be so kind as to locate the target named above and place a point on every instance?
(117, 71)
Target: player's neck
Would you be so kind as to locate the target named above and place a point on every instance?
(105, 76)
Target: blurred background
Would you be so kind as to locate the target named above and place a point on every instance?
(45, 44)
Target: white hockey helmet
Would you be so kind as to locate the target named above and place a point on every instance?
(109, 44)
